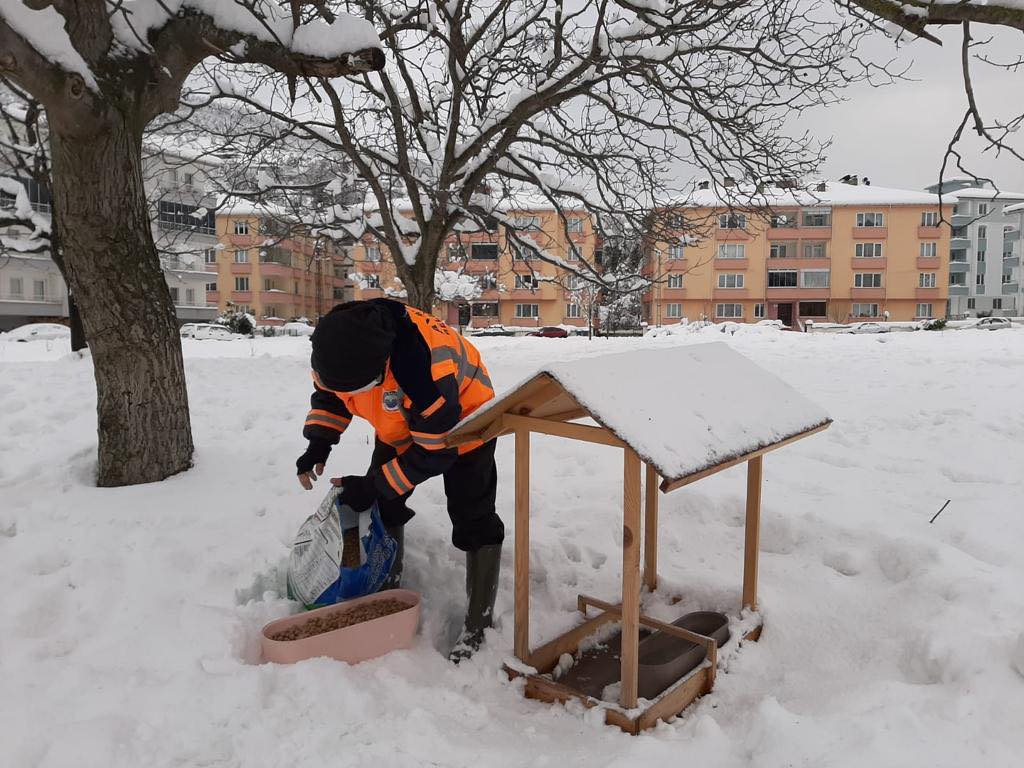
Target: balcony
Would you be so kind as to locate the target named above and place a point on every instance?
(241, 297)
(868, 263)
(870, 233)
(928, 262)
(799, 263)
(732, 265)
(275, 269)
(928, 293)
(181, 264)
(241, 268)
(1012, 236)
(958, 290)
(959, 266)
(726, 235)
(1011, 261)
(1011, 288)
(800, 233)
(960, 242)
(961, 219)
(798, 294)
(929, 233)
(867, 293)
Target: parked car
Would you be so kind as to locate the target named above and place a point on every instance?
(993, 323)
(200, 331)
(297, 329)
(38, 332)
(492, 330)
(550, 332)
(867, 327)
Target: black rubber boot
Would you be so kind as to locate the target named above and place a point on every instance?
(394, 577)
(482, 569)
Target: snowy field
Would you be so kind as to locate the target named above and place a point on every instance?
(131, 617)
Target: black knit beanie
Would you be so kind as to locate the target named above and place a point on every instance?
(351, 345)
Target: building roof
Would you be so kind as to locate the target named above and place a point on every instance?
(237, 206)
(834, 194)
(1018, 208)
(686, 411)
(985, 193)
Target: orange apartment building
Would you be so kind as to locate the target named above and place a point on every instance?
(841, 252)
(515, 291)
(265, 269)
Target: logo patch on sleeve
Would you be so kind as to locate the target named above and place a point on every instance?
(392, 400)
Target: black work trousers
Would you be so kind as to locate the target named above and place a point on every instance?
(470, 484)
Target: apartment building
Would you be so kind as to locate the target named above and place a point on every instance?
(33, 290)
(516, 287)
(839, 252)
(265, 266)
(984, 255)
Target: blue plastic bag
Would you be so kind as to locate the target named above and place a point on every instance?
(315, 575)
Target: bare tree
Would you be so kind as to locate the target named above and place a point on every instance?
(103, 69)
(489, 106)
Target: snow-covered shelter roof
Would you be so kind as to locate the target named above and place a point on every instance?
(688, 411)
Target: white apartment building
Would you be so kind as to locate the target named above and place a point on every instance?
(985, 249)
(184, 228)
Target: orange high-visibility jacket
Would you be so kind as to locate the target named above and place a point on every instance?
(433, 379)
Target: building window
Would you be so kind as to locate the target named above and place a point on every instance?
(527, 222)
(372, 282)
(210, 256)
(730, 279)
(484, 309)
(970, 303)
(982, 209)
(812, 309)
(174, 295)
(979, 279)
(782, 221)
(868, 250)
(864, 310)
(818, 278)
(526, 282)
(39, 290)
(488, 281)
(867, 280)
(675, 252)
(997, 303)
(981, 255)
(241, 257)
(728, 310)
(456, 252)
(373, 253)
(759, 310)
(241, 227)
(16, 286)
(929, 219)
(522, 253)
(527, 310)
(674, 310)
(483, 251)
(779, 251)
(1007, 277)
(924, 310)
(982, 231)
(732, 251)
(929, 250)
(295, 287)
(732, 221)
(782, 278)
(574, 282)
(172, 215)
(926, 280)
(817, 217)
(958, 279)
(241, 283)
(870, 220)
(599, 256)
(815, 250)
(574, 253)
(211, 287)
(190, 297)
(573, 310)
(575, 226)
(675, 281)
(674, 221)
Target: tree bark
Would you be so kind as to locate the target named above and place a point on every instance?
(114, 274)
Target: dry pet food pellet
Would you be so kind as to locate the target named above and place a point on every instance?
(342, 618)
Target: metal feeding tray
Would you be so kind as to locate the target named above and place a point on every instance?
(664, 659)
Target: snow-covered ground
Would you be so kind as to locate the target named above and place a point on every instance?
(130, 617)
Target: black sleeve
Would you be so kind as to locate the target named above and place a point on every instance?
(428, 456)
(327, 418)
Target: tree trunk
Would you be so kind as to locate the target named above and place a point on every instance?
(113, 272)
(420, 283)
(75, 321)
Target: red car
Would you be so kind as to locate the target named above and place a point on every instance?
(551, 332)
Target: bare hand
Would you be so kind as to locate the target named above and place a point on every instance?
(307, 479)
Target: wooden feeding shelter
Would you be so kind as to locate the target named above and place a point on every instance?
(683, 413)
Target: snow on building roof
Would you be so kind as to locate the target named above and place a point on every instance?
(237, 206)
(683, 410)
(1018, 208)
(985, 193)
(834, 193)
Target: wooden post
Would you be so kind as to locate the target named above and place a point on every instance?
(521, 643)
(753, 533)
(630, 578)
(651, 529)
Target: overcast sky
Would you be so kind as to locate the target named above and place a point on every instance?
(896, 135)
